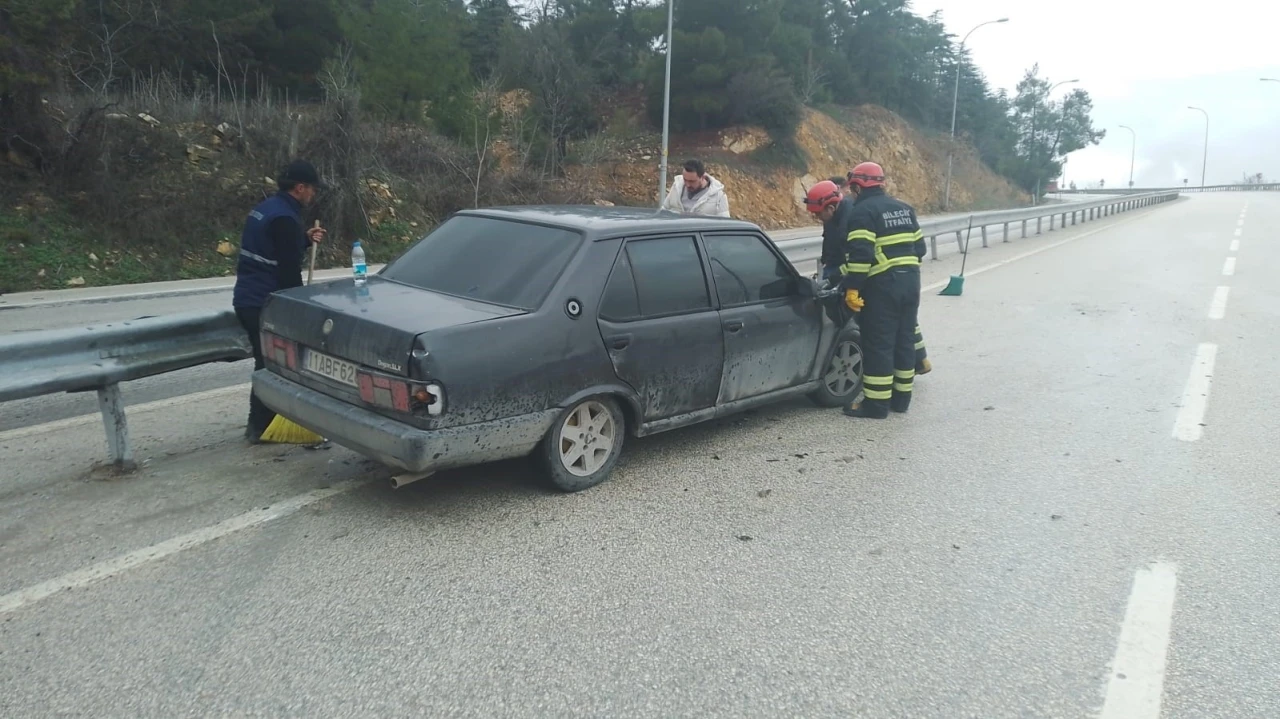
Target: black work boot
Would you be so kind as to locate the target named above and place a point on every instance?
(900, 402)
(867, 409)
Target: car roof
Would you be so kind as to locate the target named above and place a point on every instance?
(603, 222)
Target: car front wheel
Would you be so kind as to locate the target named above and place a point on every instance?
(841, 383)
(584, 444)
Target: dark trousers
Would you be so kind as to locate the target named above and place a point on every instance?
(889, 322)
(832, 273)
(260, 416)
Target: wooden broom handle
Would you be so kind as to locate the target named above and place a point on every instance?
(311, 270)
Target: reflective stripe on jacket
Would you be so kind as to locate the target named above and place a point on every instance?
(881, 233)
(258, 266)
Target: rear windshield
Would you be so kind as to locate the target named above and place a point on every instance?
(497, 261)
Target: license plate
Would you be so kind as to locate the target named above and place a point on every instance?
(332, 368)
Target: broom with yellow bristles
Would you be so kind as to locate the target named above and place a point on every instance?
(283, 430)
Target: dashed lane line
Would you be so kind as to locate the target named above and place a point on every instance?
(1218, 307)
(1189, 425)
(1136, 687)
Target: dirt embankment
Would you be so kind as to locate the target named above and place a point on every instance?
(768, 190)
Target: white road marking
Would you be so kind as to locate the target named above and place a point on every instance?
(1218, 308)
(102, 570)
(1188, 427)
(1136, 687)
(1025, 255)
(1229, 267)
(96, 417)
(1235, 246)
(1238, 232)
(1240, 222)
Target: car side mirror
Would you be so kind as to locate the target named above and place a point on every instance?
(808, 287)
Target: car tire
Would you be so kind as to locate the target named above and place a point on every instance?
(582, 447)
(841, 380)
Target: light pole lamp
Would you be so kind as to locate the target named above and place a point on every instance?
(1205, 162)
(1133, 149)
(1268, 79)
(666, 107)
(955, 102)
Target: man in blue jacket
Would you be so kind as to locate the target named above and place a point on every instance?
(272, 247)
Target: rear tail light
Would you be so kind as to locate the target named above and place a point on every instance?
(280, 350)
(401, 395)
(429, 397)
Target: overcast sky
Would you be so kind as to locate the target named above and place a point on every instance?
(1144, 62)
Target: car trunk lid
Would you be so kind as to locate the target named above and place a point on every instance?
(375, 325)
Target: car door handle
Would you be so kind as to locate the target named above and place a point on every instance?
(619, 342)
(733, 325)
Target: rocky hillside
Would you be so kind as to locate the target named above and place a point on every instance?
(172, 202)
(769, 190)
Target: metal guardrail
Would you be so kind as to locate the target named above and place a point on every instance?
(1269, 187)
(809, 249)
(99, 358)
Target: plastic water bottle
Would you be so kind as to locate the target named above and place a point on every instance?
(357, 263)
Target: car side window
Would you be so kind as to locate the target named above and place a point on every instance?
(620, 302)
(668, 276)
(747, 271)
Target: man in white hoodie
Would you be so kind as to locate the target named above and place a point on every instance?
(697, 193)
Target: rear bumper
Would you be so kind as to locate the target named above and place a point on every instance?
(397, 444)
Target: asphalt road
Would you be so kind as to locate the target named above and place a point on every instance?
(121, 306)
(1032, 540)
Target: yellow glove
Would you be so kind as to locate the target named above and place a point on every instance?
(853, 301)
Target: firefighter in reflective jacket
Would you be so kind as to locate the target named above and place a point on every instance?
(832, 207)
(881, 280)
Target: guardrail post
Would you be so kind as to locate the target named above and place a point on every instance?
(117, 428)
(959, 234)
(933, 246)
(1006, 232)
(1024, 229)
(984, 235)
(1038, 223)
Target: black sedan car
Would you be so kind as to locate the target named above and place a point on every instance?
(556, 331)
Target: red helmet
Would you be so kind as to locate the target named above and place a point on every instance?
(867, 174)
(821, 196)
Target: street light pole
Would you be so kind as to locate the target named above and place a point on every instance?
(1132, 152)
(666, 106)
(955, 102)
(1205, 162)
